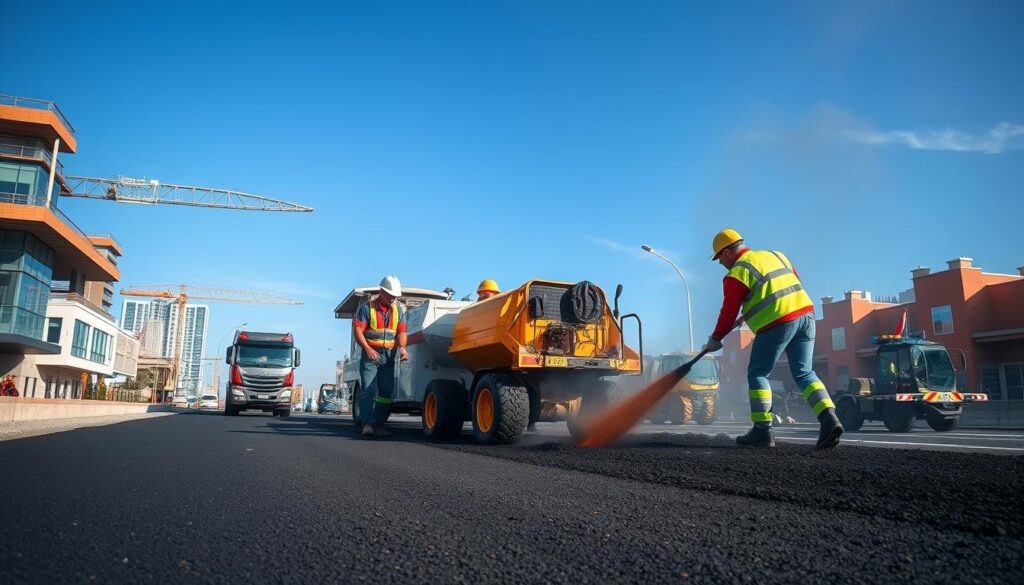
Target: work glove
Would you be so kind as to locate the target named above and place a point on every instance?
(712, 345)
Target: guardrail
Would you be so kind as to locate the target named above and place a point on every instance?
(23, 102)
(32, 152)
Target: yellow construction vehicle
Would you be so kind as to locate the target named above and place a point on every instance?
(692, 399)
(495, 361)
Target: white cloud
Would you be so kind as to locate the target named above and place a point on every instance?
(998, 139)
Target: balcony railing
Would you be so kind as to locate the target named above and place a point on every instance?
(21, 102)
(31, 152)
(79, 299)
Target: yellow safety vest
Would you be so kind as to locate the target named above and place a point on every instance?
(775, 290)
(377, 334)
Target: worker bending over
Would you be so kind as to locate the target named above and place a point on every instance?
(766, 287)
(379, 328)
(488, 288)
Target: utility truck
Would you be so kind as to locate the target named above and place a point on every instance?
(495, 362)
(914, 379)
(262, 373)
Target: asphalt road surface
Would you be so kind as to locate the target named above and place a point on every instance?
(202, 498)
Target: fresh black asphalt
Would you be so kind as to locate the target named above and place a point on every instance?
(202, 498)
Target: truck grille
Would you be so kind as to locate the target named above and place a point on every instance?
(263, 384)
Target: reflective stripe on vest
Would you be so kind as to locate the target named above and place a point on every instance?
(775, 290)
(379, 335)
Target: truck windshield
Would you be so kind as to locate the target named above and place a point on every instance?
(329, 394)
(933, 369)
(704, 372)
(264, 356)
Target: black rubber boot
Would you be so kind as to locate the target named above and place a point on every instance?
(831, 429)
(757, 437)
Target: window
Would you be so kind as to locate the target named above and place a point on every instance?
(942, 320)
(53, 329)
(1014, 374)
(100, 345)
(839, 338)
(842, 378)
(80, 340)
(990, 383)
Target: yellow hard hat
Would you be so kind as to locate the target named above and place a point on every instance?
(488, 285)
(723, 240)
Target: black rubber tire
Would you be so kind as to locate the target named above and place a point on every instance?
(355, 407)
(898, 417)
(680, 409)
(848, 411)
(941, 425)
(284, 413)
(452, 403)
(230, 410)
(510, 409)
(707, 410)
(592, 403)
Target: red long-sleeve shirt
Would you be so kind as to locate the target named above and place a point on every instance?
(734, 293)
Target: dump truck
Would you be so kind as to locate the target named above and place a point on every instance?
(695, 395)
(495, 362)
(914, 379)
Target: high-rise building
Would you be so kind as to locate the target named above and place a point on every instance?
(156, 323)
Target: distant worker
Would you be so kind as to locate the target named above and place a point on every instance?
(8, 386)
(766, 287)
(487, 289)
(379, 328)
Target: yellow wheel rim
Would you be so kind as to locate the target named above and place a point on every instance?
(485, 410)
(430, 410)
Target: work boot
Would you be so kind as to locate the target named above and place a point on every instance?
(367, 430)
(531, 428)
(379, 432)
(831, 429)
(757, 437)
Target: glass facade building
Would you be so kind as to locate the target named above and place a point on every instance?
(24, 183)
(26, 269)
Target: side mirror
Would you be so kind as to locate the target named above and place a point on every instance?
(229, 355)
(298, 357)
(618, 293)
(963, 361)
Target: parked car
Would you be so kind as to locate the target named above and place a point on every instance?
(180, 401)
(208, 402)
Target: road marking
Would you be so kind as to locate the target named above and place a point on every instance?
(974, 447)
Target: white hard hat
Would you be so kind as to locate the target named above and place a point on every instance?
(391, 285)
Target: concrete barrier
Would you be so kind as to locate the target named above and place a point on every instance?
(993, 414)
(13, 409)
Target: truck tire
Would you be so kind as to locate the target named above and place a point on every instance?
(593, 403)
(444, 409)
(501, 409)
(230, 410)
(680, 409)
(707, 414)
(284, 413)
(942, 425)
(898, 417)
(848, 411)
(355, 406)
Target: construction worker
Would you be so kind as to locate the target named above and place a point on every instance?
(379, 327)
(487, 289)
(766, 287)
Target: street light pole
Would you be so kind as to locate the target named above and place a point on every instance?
(216, 367)
(686, 285)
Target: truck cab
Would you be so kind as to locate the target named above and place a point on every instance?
(330, 400)
(694, 397)
(262, 373)
(914, 379)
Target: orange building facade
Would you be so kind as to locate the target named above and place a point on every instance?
(978, 316)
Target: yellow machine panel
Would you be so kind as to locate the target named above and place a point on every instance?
(536, 326)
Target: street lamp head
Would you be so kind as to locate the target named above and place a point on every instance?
(646, 248)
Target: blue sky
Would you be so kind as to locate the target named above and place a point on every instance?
(447, 142)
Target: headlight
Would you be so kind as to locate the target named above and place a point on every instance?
(237, 393)
(286, 394)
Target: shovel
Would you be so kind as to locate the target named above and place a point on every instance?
(620, 418)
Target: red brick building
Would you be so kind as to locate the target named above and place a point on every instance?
(967, 310)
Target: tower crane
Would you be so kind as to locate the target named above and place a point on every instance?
(182, 293)
(151, 191)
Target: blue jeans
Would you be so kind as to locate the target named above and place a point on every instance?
(376, 387)
(796, 338)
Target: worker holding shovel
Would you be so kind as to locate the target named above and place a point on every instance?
(767, 289)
